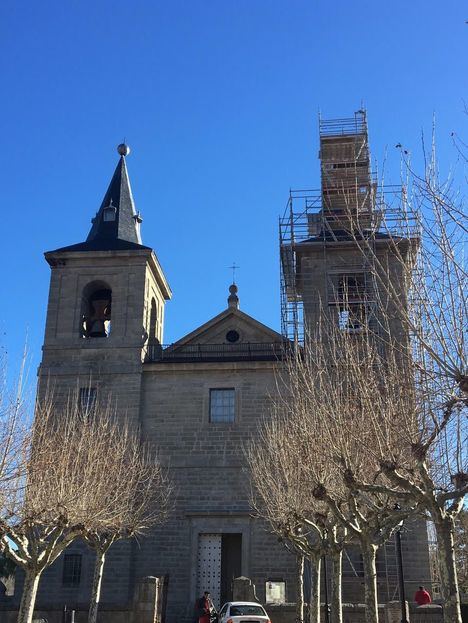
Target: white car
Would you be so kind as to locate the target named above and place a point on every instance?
(243, 612)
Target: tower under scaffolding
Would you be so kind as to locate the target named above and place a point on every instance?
(321, 263)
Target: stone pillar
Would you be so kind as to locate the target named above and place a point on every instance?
(147, 600)
(393, 612)
(243, 590)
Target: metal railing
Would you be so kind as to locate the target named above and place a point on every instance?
(352, 126)
(243, 351)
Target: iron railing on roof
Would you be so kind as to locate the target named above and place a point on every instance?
(243, 351)
(348, 126)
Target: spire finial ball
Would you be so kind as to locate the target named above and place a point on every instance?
(233, 289)
(123, 149)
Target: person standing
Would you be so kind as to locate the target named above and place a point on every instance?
(204, 605)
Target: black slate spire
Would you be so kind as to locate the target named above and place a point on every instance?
(117, 218)
(116, 225)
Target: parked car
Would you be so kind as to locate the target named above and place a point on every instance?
(243, 612)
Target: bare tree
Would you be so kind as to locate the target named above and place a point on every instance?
(282, 496)
(66, 490)
(138, 500)
(277, 487)
(13, 434)
(339, 396)
(461, 550)
(427, 457)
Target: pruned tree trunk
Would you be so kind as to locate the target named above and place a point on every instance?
(299, 589)
(97, 582)
(28, 598)
(448, 570)
(314, 600)
(369, 554)
(336, 599)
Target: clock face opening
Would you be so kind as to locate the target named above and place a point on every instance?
(232, 336)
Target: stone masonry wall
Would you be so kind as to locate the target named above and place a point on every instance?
(206, 463)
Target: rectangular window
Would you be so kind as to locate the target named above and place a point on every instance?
(87, 399)
(353, 318)
(71, 570)
(222, 405)
(352, 287)
(348, 295)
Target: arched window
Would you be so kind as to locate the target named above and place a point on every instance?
(96, 310)
(153, 320)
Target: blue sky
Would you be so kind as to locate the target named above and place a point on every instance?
(218, 101)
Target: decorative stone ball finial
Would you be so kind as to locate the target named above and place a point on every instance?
(233, 299)
(123, 149)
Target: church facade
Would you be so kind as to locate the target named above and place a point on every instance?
(198, 401)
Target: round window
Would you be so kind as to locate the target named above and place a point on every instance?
(232, 336)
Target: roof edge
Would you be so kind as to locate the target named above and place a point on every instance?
(229, 311)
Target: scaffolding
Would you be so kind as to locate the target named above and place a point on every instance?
(350, 202)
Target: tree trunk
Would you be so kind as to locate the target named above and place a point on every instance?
(97, 581)
(314, 599)
(28, 598)
(369, 553)
(336, 602)
(300, 588)
(448, 571)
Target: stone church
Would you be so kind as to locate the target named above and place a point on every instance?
(198, 400)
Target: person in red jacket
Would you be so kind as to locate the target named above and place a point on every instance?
(204, 606)
(422, 597)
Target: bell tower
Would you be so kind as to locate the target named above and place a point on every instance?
(106, 303)
(334, 241)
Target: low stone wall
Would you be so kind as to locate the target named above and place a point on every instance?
(286, 613)
(147, 607)
(81, 616)
(355, 613)
(279, 613)
(426, 614)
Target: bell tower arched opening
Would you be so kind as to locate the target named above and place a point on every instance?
(96, 310)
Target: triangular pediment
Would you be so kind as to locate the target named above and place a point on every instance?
(228, 327)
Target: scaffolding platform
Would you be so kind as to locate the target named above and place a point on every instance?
(350, 203)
